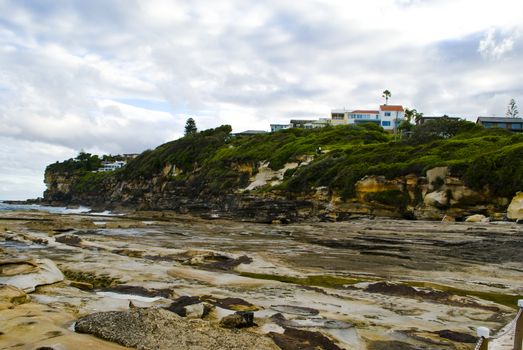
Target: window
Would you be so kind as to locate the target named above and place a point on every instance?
(385, 123)
(387, 114)
(487, 124)
(502, 125)
(516, 126)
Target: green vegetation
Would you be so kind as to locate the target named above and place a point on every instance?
(212, 162)
(84, 162)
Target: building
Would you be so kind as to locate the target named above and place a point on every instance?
(388, 116)
(512, 124)
(391, 116)
(111, 166)
(425, 119)
(278, 127)
(302, 123)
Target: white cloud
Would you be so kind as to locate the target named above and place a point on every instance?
(492, 47)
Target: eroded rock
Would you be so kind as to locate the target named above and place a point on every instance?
(28, 274)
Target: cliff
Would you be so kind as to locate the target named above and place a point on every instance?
(282, 177)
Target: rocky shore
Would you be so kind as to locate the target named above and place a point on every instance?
(160, 280)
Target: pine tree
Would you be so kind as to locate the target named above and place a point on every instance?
(190, 127)
(512, 109)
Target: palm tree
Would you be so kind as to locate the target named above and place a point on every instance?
(387, 95)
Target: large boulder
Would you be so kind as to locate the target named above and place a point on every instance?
(515, 209)
(27, 274)
(161, 329)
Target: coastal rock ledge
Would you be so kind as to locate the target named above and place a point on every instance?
(152, 328)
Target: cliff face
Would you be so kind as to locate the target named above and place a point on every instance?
(427, 197)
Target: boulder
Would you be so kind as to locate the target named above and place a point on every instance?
(27, 274)
(476, 218)
(240, 319)
(195, 310)
(515, 209)
(151, 328)
(436, 199)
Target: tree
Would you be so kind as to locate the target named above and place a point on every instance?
(512, 109)
(190, 127)
(386, 95)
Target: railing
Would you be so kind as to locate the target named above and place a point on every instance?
(515, 327)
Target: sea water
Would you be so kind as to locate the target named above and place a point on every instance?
(54, 210)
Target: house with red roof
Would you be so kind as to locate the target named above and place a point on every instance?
(388, 116)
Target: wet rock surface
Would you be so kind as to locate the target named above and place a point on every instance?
(382, 284)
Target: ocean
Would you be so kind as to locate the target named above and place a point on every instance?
(56, 210)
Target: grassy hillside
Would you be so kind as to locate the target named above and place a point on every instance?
(209, 160)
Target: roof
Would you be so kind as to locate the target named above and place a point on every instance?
(391, 108)
(299, 121)
(425, 117)
(499, 120)
(365, 111)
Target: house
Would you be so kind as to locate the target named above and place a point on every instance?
(277, 127)
(391, 116)
(425, 119)
(111, 166)
(301, 123)
(388, 116)
(512, 124)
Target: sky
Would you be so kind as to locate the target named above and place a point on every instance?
(123, 76)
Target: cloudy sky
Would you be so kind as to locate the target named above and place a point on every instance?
(122, 76)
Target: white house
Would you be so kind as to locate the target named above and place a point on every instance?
(387, 116)
(111, 166)
(391, 116)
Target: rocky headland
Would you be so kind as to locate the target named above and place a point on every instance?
(282, 177)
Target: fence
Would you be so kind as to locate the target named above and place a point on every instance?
(501, 341)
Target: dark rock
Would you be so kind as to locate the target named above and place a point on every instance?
(229, 263)
(235, 304)
(69, 239)
(295, 310)
(178, 305)
(402, 290)
(295, 339)
(139, 290)
(240, 319)
(457, 336)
